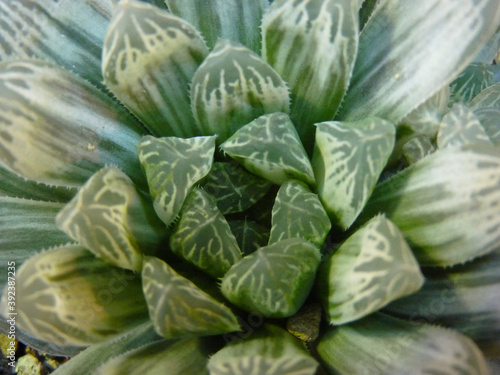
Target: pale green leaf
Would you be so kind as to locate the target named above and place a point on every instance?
(371, 268)
(70, 297)
(270, 147)
(465, 297)
(297, 212)
(312, 44)
(112, 219)
(234, 189)
(348, 160)
(69, 33)
(234, 20)
(275, 280)
(203, 237)
(489, 117)
(178, 308)
(445, 204)
(489, 98)
(408, 50)
(249, 234)
(149, 60)
(461, 127)
(57, 129)
(474, 79)
(417, 148)
(386, 345)
(174, 357)
(490, 50)
(234, 86)
(270, 350)
(172, 166)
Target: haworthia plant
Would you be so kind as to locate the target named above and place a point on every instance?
(178, 308)
(370, 269)
(172, 166)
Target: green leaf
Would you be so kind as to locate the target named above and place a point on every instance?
(234, 86)
(417, 148)
(233, 188)
(348, 160)
(297, 212)
(312, 44)
(250, 235)
(180, 357)
(270, 147)
(178, 308)
(69, 33)
(172, 166)
(71, 136)
(461, 127)
(70, 297)
(475, 78)
(371, 268)
(275, 280)
(270, 350)
(488, 117)
(465, 297)
(235, 20)
(489, 97)
(203, 237)
(149, 60)
(408, 50)
(114, 221)
(445, 204)
(387, 345)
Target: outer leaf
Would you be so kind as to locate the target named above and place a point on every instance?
(234, 189)
(270, 147)
(408, 50)
(250, 235)
(234, 86)
(149, 59)
(475, 78)
(297, 212)
(270, 351)
(386, 345)
(235, 20)
(180, 357)
(275, 280)
(461, 127)
(203, 237)
(62, 139)
(110, 218)
(348, 160)
(70, 297)
(312, 44)
(69, 33)
(172, 166)
(445, 204)
(370, 269)
(178, 308)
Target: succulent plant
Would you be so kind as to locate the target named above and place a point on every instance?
(252, 187)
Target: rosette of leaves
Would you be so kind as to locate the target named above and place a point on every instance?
(257, 187)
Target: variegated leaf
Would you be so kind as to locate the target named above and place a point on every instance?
(110, 218)
(149, 60)
(250, 235)
(385, 345)
(70, 297)
(461, 127)
(234, 20)
(270, 147)
(370, 269)
(297, 212)
(69, 33)
(489, 117)
(474, 79)
(58, 129)
(348, 160)
(312, 44)
(233, 188)
(234, 86)
(445, 204)
(408, 50)
(465, 297)
(178, 308)
(270, 350)
(417, 148)
(172, 166)
(488, 98)
(203, 237)
(275, 280)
